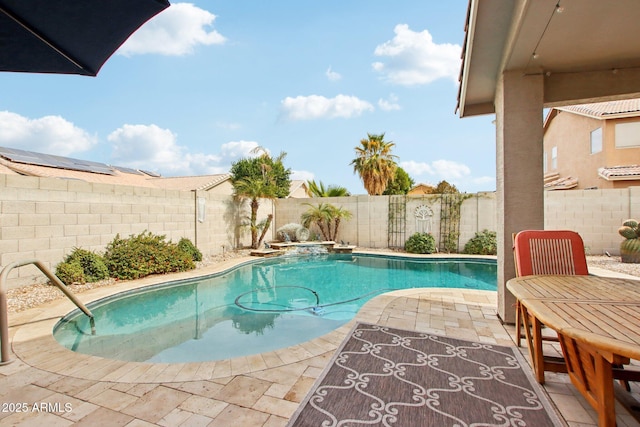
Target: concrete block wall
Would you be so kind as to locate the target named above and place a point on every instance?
(221, 228)
(595, 214)
(369, 226)
(46, 218)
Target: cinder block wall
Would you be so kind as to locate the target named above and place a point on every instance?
(595, 214)
(45, 218)
(369, 225)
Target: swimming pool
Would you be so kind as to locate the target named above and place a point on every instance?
(255, 307)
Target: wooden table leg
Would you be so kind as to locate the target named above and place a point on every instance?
(605, 399)
(591, 372)
(536, 348)
(533, 335)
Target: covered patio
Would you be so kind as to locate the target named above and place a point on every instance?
(522, 56)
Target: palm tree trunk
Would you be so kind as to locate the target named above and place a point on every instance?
(325, 233)
(264, 230)
(254, 226)
(336, 224)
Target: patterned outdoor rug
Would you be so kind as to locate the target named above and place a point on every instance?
(389, 377)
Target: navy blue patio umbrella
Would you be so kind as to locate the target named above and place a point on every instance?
(68, 36)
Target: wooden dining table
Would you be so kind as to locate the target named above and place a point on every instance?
(597, 320)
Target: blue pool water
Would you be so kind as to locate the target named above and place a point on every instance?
(254, 308)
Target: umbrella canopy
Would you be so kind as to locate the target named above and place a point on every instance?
(68, 36)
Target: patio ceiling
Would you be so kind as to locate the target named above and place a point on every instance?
(588, 50)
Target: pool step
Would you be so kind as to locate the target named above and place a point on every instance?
(266, 252)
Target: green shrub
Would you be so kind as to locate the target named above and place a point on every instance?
(483, 243)
(70, 273)
(420, 243)
(145, 254)
(186, 246)
(82, 266)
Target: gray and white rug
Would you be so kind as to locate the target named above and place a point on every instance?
(389, 377)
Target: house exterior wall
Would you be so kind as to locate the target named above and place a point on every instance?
(225, 188)
(571, 134)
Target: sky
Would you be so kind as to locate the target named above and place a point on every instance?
(203, 83)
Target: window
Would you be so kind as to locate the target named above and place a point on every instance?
(628, 135)
(596, 141)
(554, 158)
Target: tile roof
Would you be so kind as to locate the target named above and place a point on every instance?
(620, 173)
(625, 107)
(563, 183)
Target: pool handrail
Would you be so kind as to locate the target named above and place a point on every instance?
(4, 321)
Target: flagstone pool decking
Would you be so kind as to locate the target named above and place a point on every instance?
(57, 387)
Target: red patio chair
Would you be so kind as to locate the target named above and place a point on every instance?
(539, 252)
(536, 252)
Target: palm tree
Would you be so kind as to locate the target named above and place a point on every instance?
(319, 190)
(327, 217)
(338, 215)
(319, 215)
(254, 189)
(374, 163)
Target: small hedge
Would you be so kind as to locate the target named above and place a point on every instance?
(131, 258)
(82, 266)
(483, 243)
(187, 247)
(421, 243)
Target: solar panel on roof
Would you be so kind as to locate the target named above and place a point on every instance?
(50, 160)
(153, 174)
(127, 170)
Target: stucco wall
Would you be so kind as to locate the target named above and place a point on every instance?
(571, 134)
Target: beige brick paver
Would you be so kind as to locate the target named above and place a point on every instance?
(261, 390)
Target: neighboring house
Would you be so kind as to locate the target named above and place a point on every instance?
(420, 189)
(28, 163)
(593, 146)
(298, 189)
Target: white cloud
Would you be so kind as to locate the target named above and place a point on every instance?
(48, 134)
(302, 175)
(438, 169)
(175, 31)
(316, 107)
(413, 58)
(390, 104)
(147, 147)
(454, 173)
(417, 168)
(235, 150)
(332, 75)
(150, 147)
